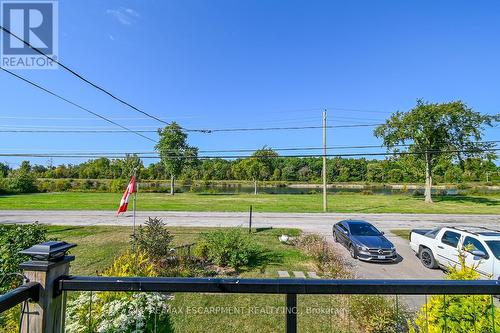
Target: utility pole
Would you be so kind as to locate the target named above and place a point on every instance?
(325, 200)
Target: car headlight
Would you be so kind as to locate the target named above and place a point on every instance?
(362, 247)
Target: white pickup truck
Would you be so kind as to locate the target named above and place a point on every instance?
(439, 248)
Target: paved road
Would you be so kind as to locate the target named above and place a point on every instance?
(309, 222)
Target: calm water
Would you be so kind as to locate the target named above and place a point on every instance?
(245, 188)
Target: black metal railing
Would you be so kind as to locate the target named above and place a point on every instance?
(289, 287)
(28, 291)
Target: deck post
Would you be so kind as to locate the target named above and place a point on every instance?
(48, 263)
(291, 313)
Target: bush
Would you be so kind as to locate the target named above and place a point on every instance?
(326, 258)
(23, 182)
(378, 314)
(230, 247)
(154, 239)
(117, 185)
(120, 311)
(130, 263)
(14, 238)
(62, 185)
(456, 313)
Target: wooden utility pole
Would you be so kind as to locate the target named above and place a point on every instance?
(325, 200)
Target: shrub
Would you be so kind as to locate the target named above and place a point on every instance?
(456, 313)
(117, 185)
(154, 239)
(230, 247)
(378, 314)
(326, 258)
(62, 185)
(14, 238)
(135, 263)
(23, 182)
(121, 311)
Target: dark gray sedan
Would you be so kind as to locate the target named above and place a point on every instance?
(364, 241)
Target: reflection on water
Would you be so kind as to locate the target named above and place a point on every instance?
(313, 189)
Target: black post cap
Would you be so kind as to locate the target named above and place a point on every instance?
(48, 251)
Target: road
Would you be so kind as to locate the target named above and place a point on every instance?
(309, 222)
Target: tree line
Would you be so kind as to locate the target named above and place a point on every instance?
(431, 143)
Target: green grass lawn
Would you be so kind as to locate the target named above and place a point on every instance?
(97, 246)
(403, 233)
(344, 203)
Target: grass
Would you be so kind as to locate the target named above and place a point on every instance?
(195, 312)
(97, 246)
(299, 203)
(403, 233)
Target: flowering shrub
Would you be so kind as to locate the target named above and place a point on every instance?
(138, 312)
(107, 312)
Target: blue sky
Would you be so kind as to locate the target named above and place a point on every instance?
(220, 64)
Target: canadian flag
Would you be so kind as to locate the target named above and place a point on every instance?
(124, 201)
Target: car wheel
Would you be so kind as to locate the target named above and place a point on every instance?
(352, 251)
(335, 237)
(427, 258)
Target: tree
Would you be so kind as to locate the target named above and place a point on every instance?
(130, 164)
(175, 153)
(261, 165)
(4, 169)
(436, 130)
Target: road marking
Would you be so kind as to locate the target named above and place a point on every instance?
(313, 275)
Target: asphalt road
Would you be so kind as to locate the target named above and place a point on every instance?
(309, 222)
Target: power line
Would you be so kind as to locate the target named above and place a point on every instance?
(83, 78)
(265, 156)
(76, 105)
(208, 131)
(236, 150)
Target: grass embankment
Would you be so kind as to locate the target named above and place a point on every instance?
(297, 203)
(403, 233)
(97, 246)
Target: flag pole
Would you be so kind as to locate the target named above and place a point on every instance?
(135, 197)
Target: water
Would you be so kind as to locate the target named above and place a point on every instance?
(312, 189)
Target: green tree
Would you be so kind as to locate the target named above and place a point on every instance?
(130, 164)
(261, 165)
(175, 153)
(24, 180)
(433, 130)
(4, 169)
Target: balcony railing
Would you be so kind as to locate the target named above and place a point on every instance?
(47, 289)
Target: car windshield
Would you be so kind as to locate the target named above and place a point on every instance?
(494, 247)
(363, 229)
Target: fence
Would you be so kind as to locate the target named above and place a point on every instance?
(50, 281)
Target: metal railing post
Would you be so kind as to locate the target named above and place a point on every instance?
(291, 313)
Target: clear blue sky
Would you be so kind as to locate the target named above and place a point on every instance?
(218, 64)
